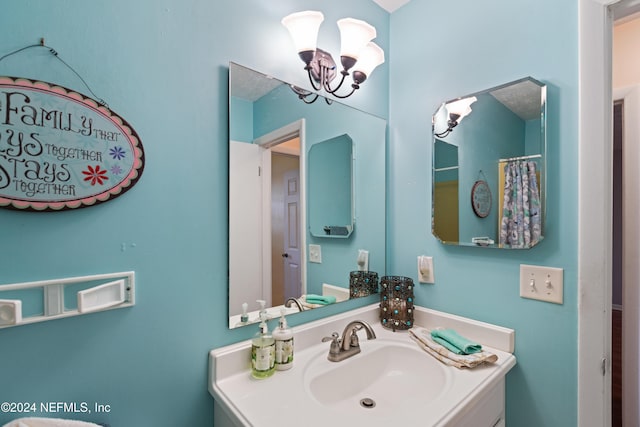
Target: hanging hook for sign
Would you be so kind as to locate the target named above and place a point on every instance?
(482, 176)
(55, 54)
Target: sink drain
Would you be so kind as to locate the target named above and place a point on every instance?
(367, 403)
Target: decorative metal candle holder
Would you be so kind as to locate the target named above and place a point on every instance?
(362, 283)
(396, 302)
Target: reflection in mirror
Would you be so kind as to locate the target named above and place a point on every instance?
(275, 253)
(330, 188)
(489, 155)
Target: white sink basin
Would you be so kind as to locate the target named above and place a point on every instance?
(386, 376)
(392, 377)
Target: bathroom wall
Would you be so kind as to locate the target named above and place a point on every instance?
(162, 65)
(437, 54)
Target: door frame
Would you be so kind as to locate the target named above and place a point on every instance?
(594, 213)
(595, 216)
(630, 270)
(268, 141)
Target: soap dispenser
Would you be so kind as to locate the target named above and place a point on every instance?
(283, 337)
(263, 351)
(244, 317)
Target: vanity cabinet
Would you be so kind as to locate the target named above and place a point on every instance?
(487, 410)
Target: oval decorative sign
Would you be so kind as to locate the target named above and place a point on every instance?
(62, 150)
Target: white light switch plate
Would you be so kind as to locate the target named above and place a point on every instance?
(542, 283)
(425, 269)
(315, 254)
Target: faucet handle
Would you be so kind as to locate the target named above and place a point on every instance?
(335, 343)
(334, 337)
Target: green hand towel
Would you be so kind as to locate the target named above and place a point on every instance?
(454, 342)
(320, 299)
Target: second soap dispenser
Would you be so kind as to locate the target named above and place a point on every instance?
(283, 336)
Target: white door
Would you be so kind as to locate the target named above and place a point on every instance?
(292, 249)
(245, 226)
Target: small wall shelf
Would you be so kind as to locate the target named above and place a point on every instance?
(23, 303)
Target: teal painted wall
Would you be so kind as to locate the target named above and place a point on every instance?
(475, 47)
(163, 66)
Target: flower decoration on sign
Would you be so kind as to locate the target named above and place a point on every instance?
(116, 170)
(96, 175)
(117, 153)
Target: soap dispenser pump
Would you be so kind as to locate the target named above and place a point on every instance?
(263, 310)
(283, 336)
(263, 353)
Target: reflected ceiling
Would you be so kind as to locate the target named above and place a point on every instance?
(391, 5)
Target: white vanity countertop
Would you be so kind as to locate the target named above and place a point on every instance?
(283, 400)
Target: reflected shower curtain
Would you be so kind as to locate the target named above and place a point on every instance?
(520, 224)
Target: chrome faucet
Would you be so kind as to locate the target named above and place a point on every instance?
(294, 300)
(348, 345)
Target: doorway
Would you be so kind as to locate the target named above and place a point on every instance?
(616, 267)
(625, 321)
(283, 237)
(595, 251)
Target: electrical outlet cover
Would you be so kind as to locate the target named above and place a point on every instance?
(425, 269)
(315, 254)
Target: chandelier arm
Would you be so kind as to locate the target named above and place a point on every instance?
(304, 99)
(354, 87)
(333, 91)
(312, 80)
(443, 134)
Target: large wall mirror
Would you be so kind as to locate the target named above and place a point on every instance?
(306, 196)
(489, 167)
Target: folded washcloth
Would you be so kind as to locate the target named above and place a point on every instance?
(320, 299)
(423, 338)
(454, 342)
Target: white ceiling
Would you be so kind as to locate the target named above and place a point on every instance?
(391, 5)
